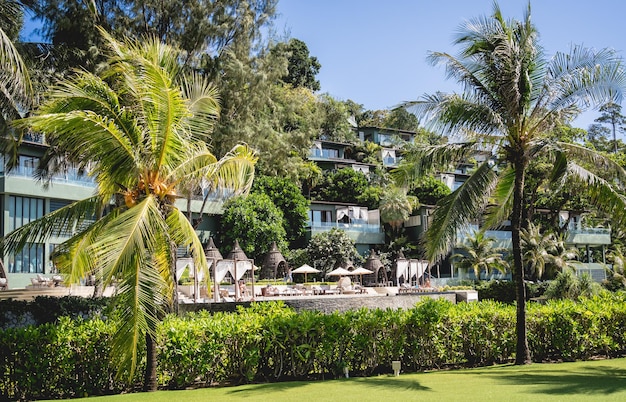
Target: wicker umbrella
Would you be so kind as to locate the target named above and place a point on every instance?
(272, 261)
(374, 264)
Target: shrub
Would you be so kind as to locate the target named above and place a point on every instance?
(270, 342)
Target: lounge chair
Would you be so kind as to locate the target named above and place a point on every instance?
(44, 281)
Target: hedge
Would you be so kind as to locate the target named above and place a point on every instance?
(270, 342)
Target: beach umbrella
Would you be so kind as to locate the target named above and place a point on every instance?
(305, 269)
(339, 272)
(361, 271)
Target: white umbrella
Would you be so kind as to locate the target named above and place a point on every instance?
(339, 272)
(360, 271)
(305, 269)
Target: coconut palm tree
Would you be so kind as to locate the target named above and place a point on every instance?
(512, 98)
(139, 130)
(479, 255)
(15, 86)
(16, 91)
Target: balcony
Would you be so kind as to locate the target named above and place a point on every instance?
(317, 153)
(70, 177)
(361, 233)
(588, 236)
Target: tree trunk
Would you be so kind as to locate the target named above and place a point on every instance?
(522, 355)
(150, 378)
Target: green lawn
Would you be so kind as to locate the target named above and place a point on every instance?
(603, 380)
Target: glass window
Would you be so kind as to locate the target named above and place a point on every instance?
(23, 210)
(29, 260)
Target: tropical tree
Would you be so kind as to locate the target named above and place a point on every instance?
(138, 130)
(611, 113)
(16, 91)
(329, 250)
(513, 96)
(478, 254)
(287, 197)
(542, 250)
(396, 206)
(255, 222)
(302, 66)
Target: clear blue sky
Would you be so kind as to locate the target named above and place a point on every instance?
(374, 51)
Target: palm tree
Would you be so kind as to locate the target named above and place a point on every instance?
(512, 98)
(138, 129)
(537, 249)
(396, 206)
(479, 254)
(16, 91)
(544, 253)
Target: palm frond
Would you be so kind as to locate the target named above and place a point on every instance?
(451, 113)
(183, 233)
(130, 248)
(57, 223)
(203, 103)
(420, 160)
(605, 166)
(234, 173)
(603, 195)
(15, 85)
(503, 199)
(456, 210)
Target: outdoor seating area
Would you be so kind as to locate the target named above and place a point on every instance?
(305, 290)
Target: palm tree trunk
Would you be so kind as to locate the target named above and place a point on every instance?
(150, 378)
(522, 355)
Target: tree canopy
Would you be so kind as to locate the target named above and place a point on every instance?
(138, 129)
(513, 98)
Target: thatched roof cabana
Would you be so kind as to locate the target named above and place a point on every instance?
(374, 264)
(274, 264)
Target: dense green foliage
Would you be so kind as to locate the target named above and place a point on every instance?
(332, 249)
(255, 222)
(302, 67)
(287, 196)
(269, 342)
(429, 190)
(346, 185)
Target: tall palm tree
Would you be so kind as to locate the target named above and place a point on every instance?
(139, 130)
(479, 254)
(512, 98)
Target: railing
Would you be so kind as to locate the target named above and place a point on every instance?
(356, 227)
(599, 231)
(34, 137)
(71, 176)
(324, 153)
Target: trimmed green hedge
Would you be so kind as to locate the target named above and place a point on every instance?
(270, 342)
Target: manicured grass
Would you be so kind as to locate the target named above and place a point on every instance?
(602, 380)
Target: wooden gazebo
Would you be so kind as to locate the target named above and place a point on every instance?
(374, 264)
(274, 264)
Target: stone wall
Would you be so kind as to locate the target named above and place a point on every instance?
(329, 304)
